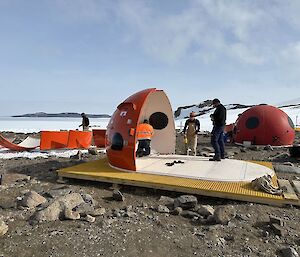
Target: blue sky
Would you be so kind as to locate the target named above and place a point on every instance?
(89, 55)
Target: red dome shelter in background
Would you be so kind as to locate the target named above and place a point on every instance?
(264, 125)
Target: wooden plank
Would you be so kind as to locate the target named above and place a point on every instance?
(296, 184)
(288, 191)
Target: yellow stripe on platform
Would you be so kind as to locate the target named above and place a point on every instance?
(297, 129)
(101, 171)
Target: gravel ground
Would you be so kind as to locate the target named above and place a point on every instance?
(136, 226)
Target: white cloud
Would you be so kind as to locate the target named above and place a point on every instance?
(250, 32)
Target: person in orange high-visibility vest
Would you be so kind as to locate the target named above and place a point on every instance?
(144, 133)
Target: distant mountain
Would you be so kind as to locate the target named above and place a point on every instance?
(61, 115)
(203, 108)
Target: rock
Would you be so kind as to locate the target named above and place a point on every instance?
(89, 199)
(11, 178)
(77, 156)
(177, 211)
(286, 169)
(3, 227)
(90, 218)
(204, 210)
(185, 201)
(289, 252)
(71, 200)
(129, 214)
(50, 213)
(230, 154)
(167, 201)
(288, 164)
(85, 208)
(92, 151)
(276, 220)
(118, 196)
(208, 149)
(205, 154)
(32, 199)
(71, 215)
(189, 214)
(268, 148)
(278, 230)
(7, 202)
(55, 193)
(99, 212)
(224, 214)
(243, 150)
(56, 209)
(163, 209)
(294, 151)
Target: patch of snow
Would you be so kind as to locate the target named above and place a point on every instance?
(7, 154)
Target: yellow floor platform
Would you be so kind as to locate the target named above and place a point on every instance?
(101, 171)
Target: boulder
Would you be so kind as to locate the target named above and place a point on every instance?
(163, 209)
(50, 213)
(85, 208)
(71, 200)
(71, 215)
(32, 199)
(224, 214)
(167, 201)
(186, 201)
(56, 209)
(11, 178)
(177, 211)
(204, 210)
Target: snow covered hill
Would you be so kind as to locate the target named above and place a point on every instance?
(205, 108)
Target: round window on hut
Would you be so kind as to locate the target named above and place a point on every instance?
(117, 142)
(158, 120)
(252, 123)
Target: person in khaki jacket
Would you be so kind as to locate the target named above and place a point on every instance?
(190, 130)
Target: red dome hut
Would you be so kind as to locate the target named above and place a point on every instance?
(151, 104)
(264, 125)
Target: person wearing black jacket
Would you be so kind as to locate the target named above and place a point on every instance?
(190, 131)
(217, 134)
(85, 122)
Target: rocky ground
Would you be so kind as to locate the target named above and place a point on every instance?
(41, 217)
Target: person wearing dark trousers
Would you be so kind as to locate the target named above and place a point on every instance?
(217, 134)
(144, 135)
(85, 122)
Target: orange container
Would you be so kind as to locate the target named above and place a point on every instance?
(79, 139)
(54, 140)
(99, 137)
